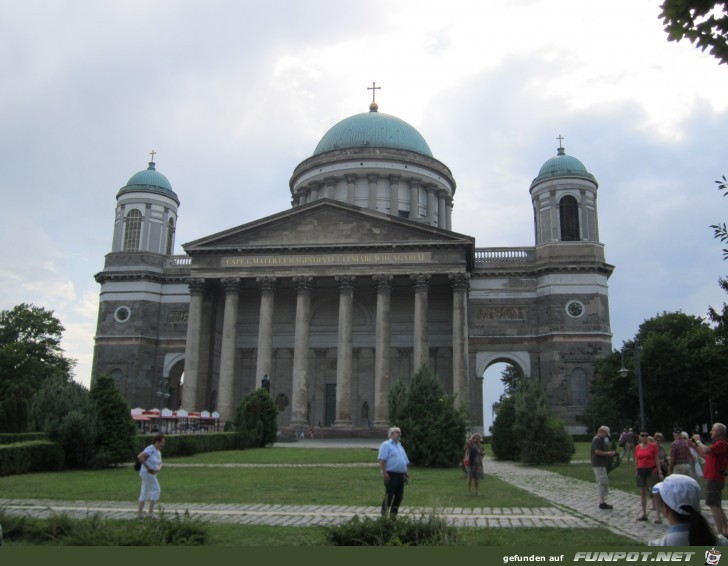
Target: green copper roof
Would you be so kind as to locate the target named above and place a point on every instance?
(149, 180)
(373, 129)
(563, 166)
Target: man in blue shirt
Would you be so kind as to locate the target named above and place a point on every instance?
(393, 464)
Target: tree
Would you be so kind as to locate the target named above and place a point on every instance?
(115, 442)
(506, 443)
(64, 411)
(30, 348)
(433, 428)
(256, 419)
(543, 438)
(703, 22)
(681, 367)
(511, 377)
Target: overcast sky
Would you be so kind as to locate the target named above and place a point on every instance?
(232, 95)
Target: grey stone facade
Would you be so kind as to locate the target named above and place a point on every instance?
(336, 298)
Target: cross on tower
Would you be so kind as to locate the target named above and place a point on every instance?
(152, 153)
(560, 138)
(374, 89)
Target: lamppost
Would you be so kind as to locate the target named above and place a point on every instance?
(163, 395)
(265, 383)
(638, 374)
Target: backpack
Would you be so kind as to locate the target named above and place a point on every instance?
(137, 464)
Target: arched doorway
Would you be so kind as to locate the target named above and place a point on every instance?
(491, 366)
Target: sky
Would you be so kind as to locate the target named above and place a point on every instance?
(232, 95)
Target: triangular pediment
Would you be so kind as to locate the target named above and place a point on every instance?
(325, 223)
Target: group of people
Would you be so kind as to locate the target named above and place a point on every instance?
(669, 481)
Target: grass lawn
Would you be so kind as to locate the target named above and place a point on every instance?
(291, 485)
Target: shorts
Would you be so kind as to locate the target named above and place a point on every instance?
(647, 481)
(713, 490)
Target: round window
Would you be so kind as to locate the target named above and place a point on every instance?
(122, 314)
(574, 309)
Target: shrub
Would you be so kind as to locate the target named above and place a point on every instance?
(64, 411)
(116, 428)
(188, 444)
(256, 419)
(506, 443)
(94, 530)
(543, 438)
(427, 530)
(433, 428)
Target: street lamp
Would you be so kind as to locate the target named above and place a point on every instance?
(638, 373)
(163, 395)
(265, 383)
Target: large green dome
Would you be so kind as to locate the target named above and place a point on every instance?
(563, 165)
(149, 180)
(373, 129)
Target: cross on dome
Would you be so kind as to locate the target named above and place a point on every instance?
(373, 107)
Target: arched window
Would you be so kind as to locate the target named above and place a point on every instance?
(578, 388)
(170, 236)
(117, 376)
(132, 231)
(569, 213)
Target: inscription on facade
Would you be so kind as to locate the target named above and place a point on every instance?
(326, 259)
(177, 316)
(510, 312)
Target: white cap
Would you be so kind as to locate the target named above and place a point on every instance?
(678, 491)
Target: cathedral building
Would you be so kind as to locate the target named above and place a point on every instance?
(361, 282)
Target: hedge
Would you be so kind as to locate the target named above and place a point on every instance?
(8, 438)
(188, 444)
(32, 456)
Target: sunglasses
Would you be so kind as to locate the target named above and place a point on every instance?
(644, 434)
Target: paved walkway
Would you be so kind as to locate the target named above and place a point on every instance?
(573, 503)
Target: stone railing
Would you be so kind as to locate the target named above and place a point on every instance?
(486, 257)
(180, 261)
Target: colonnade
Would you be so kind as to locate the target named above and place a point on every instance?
(437, 200)
(459, 283)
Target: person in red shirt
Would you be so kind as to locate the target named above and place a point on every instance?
(716, 462)
(648, 472)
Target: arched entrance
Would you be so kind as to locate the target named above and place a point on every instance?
(491, 366)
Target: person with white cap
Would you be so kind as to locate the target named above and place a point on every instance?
(600, 456)
(679, 497)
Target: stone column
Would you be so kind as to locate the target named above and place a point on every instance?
(225, 402)
(430, 204)
(441, 210)
(421, 345)
(302, 196)
(449, 213)
(382, 352)
(314, 192)
(351, 189)
(373, 180)
(414, 199)
(460, 283)
(299, 392)
(265, 327)
(330, 188)
(343, 357)
(584, 227)
(555, 228)
(192, 346)
(394, 195)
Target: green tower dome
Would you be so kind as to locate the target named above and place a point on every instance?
(563, 165)
(149, 180)
(373, 129)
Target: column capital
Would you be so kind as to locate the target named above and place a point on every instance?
(266, 283)
(394, 179)
(303, 282)
(384, 282)
(373, 177)
(414, 183)
(351, 179)
(231, 284)
(460, 281)
(421, 281)
(346, 282)
(196, 285)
